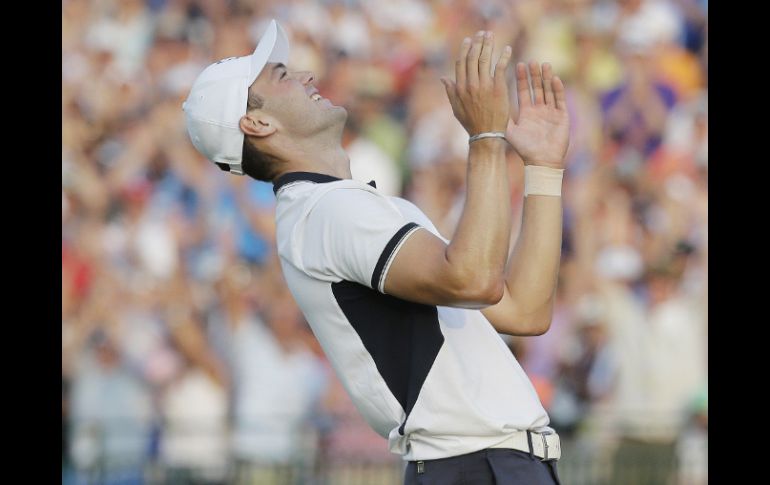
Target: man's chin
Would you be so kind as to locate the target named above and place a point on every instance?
(340, 114)
(332, 121)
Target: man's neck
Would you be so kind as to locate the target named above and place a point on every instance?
(326, 158)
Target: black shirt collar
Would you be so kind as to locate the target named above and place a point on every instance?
(318, 178)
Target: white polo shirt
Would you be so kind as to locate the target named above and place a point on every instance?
(435, 381)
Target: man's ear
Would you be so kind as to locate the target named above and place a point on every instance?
(257, 125)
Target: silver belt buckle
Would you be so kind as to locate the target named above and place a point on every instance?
(545, 446)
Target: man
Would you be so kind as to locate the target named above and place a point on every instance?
(408, 319)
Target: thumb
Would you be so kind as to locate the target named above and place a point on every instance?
(449, 86)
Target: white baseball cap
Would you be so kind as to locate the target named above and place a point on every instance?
(218, 98)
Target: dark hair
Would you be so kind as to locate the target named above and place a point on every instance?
(254, 163)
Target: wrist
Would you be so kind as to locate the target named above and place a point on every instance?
(555, 164)
(542, 180)
(488, 145)
(486, 134)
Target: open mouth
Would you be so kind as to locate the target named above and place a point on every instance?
(325, 103)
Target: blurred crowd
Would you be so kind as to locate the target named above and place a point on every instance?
(181, 345)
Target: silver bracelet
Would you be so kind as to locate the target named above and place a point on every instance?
(488, 134)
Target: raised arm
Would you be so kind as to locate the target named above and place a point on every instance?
(541, 137)
(468, 272)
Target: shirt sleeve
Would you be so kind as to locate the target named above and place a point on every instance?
(353, 235)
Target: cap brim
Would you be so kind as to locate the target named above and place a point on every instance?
(272, 47)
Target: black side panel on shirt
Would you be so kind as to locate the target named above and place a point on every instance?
(402, 337)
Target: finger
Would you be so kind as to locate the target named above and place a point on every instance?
(537, 82)
(559, 93)
(522, 85)
(485, 59)
(502, 67)
(472, 64)
(460, 63)
(547, 85)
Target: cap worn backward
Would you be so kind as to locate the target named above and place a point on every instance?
(219, 95)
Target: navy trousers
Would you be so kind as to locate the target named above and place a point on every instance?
(494, 466)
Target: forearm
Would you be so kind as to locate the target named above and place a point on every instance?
(534, 264)
(192, 343)
(479, 247)
(540, 137)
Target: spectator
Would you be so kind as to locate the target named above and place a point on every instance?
(652, 401)
(110, 414)
(276, 379)
(635, 112)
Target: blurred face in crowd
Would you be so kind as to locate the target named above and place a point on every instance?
(661, 287)
(291, 108)
(283, 318)
(639, 66)
(107, 354)
(233, 284)
(594, 334)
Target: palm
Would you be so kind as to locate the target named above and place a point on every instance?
(541, 133)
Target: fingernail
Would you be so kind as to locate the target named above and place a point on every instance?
(466, 40)
(480, 33)
(488, 34)
(507, 49)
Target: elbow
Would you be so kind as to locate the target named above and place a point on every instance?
(478, 292)
(531, 324)
(539, 327)
(493, 291)
(540, 322)
(526, 328)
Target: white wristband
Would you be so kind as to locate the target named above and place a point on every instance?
(542, 180)
(487, 134)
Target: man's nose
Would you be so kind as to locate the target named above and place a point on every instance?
(305, 77)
